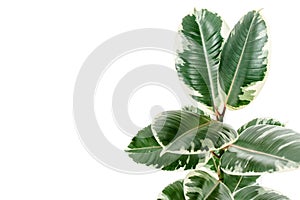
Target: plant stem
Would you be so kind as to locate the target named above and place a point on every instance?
(220, 116)
(220, 174)
(216, 155)
(219, 170)
(224, 111)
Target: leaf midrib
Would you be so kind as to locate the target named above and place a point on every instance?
(238, 183)
(212, 189)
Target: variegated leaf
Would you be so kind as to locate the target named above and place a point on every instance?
(263, 148)
(173, 191)
(243, 62)
(201, 185)
(146, 150)
(184, 132)
(234, 183)
(258, 193)
(258, 121)
(194, 109)
(197, 62)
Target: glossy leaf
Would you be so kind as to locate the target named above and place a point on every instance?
(243, 63)
(146, 150)
(263, 148)
(184, 132)
(201, 185)
(258, 193)
(235, 183)
(173, 191)
(258, 121)
(197, 60)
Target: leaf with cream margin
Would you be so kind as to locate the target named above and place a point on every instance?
(258, 193)
(198, 56)
(258, 121)
(146, 150)
(261, 149)
(173, 191)
(243, 64)
(183, 132)
(235, 183)
(201, 185)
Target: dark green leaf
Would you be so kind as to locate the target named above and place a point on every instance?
(173, 191)
(213, 164)
(235, 183)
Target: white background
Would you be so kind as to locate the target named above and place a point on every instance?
(43, 45)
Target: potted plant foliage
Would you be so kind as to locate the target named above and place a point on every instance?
(223, 72)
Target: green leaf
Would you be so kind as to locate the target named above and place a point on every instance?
(263, 148)
(258, 193)
(197, 60)
(258, 121)
(173, 191)
(243, 62)
(235, 183)
(213, 164)
(184, 132)
(201, 185)
(146, 150)
(194, 109)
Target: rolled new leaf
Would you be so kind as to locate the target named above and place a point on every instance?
(197, 62)
(243, 62)
(263, 148)
(146, 150)
(201, 185)
(173, 191)
(258, 192)
(183, 132)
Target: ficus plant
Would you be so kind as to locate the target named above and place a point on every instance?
(223, 72)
